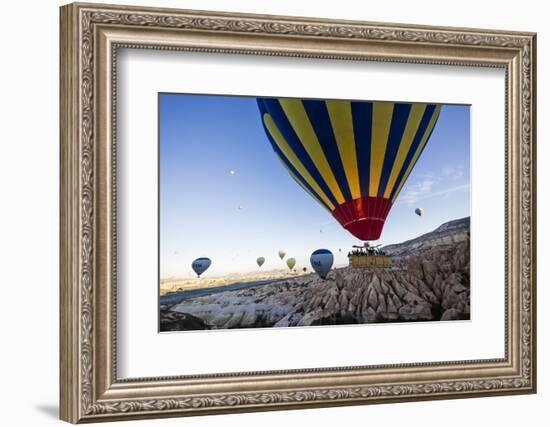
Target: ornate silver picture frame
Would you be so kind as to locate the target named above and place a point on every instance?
(91, 35)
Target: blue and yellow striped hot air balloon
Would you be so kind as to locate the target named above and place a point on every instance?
(353, 157)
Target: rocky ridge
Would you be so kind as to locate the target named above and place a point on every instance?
(455, 231)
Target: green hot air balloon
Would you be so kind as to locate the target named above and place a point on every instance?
(260, 261)
(291, 262)
(353, 157)
(282, 253)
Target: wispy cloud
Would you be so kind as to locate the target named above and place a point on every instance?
(425, 183)
(421, 192)
(452, 172)
(417, 191)
(448, 191)
(426, 175)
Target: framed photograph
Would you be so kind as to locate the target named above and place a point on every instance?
(265, 212)
(327, 175)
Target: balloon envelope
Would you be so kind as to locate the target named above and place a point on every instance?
(291, 262)
(282, 253)
(200, 265)
(321, 261)
(419, 211)
(260, 261)
(353, 157)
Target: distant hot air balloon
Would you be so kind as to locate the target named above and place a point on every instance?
(232, 172)
(200, 265)
(419, 211)
(353, 157)
(304, 269)
(291, 262)
(282, 253)
(321, 261)
(260, 261)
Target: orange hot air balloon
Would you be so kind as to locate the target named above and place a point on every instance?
(353, 157)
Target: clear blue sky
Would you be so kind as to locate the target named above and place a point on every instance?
(235, 218)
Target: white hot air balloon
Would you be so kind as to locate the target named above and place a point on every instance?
(282, 253)
(200, 265)
(321, 261)
(419, 211)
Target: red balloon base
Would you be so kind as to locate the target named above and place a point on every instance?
(364, 217)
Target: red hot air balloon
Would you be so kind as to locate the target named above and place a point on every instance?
(353, 157)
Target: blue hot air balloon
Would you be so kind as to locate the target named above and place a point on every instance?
(200, 265)
(321, 261)
(353, 157)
